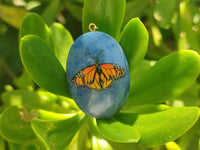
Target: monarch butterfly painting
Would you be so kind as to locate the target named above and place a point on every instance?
(98, 76)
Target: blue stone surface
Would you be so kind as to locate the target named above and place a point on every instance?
(100, 46)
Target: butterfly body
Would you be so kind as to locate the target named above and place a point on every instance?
(98, 76)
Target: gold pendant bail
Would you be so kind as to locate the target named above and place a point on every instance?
(93, 27)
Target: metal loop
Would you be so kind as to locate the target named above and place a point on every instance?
(93, 27)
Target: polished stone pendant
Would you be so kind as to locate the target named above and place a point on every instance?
(98, 74)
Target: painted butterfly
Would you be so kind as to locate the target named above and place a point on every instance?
(98, 76)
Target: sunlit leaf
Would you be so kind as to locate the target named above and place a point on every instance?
(117, 131)
(32, 100)
(134, 41)
(43, 66)
(173, 123)
(33, 24)
(168, 78)
(62, 41)
(57, 134)
(14, 127)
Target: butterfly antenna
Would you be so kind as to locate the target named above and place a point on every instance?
(91, 57)
(99, 54)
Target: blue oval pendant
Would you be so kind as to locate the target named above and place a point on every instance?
(98, 74)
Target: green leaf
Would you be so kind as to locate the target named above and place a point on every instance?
(100, 144)
(81, 140)
(117, 131)
(32, 100)
(135, 8)
(49, 14)
(47, 115)
(161, 127)
(24, 82)
(134, 41)
(141, 69)
(173, 123)
(33, 24)
(189, 98)
(168, 78)
(97, 140)
(12, 15)
(172, 145)
(2, 144)
(187, 37)
(57, 134)
(32, 145)
(164, 11)
(13, 127)
(143, 109)
(75, 10)
(62, 42)
(190, 140)
(107, 15)
(43, 66)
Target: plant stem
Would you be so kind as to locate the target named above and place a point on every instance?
(7, 69)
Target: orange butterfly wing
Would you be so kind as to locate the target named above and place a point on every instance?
(101, 79)
(110, 73)
(84, 77)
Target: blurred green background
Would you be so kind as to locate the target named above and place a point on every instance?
(172, 25)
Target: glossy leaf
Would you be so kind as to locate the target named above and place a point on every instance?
(107, 15)
(13, 128)
(117, 131)
(43, 66)
(81, 140)
(49, 14)
(97, 140)
(134, 41)
(33, 24)
(143, 109)
(12, 15)
(62, 41)
(32, 100)
(57, 134)
(141, 69)
(47, 115)
(164, 11)
(173, 123)
(168, 78)
(100, 144)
